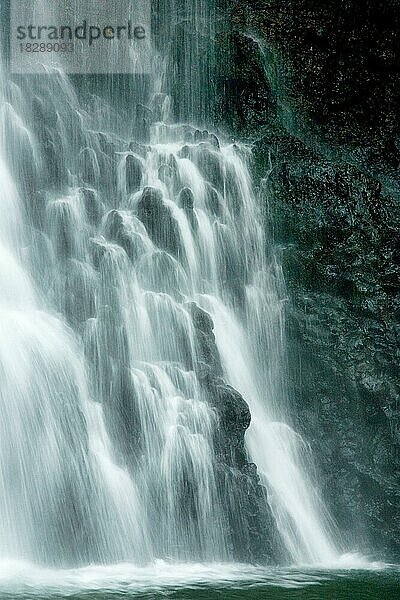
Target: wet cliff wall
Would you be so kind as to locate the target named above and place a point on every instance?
(319, 98)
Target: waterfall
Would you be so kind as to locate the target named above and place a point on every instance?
(107, 435)
(56, 459)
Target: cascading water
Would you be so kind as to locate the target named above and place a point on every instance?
(56, 460)
(107, 436)
(251, 342)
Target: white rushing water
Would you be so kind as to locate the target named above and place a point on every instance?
(107, 436)
(25, 580)
(56, 459)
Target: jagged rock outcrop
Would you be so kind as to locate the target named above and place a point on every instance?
(159, 222)
(186, 201)
(242, 496)
(133, 173)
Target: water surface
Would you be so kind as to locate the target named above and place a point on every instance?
(199, 582)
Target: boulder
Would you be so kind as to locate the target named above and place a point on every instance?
(116, 231)
(133, 173)
(186, 202)
(158, 220)
(210, 166)
(93, 206)
(88, 166)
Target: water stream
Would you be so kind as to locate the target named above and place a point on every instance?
(107, 437)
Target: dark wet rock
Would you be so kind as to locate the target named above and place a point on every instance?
(151, 197)
(242, 497)
(54, 169)
(38, 110)
(114, 225)
(234, 420)
(133, 173)
(391, 154)
(186, 201)
(139, 149)
(173, 164)
(45, 136)
(36, 208)
(232, 191)
(116, 231)
(339, 229)
(158, 220)
(44, 114)
(315, 86)
(78, 293)
(247, 518)
(143, 120)
(206, 137)
(332, 70)
(122, 416)
(107, 349)
(63, 228)
(198, 136)
(207, 353)
(93, 206)
(213, 201)
(88, 166)
(176, 181)
(209, 164)
(188, 136)
(107, 145)
(97, 250)
(184, 152)
(213, 140)
(231, 265)
(201, 319)
(233, 411)
(165, 173)
(107, 169)
(50, 144)
(168, 173)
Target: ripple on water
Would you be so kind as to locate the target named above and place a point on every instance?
(353, 577)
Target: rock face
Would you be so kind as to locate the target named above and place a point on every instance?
(158, 220)
(339, 233)
(133, 174)
(247, 507)
(186, 201)
(335, 63)
(323, 107)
